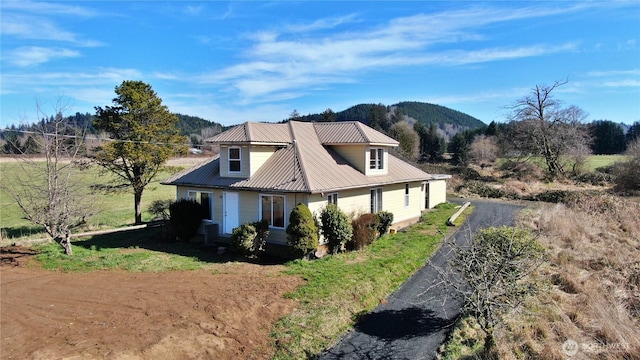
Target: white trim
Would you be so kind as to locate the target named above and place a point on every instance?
(378, 206)
(332, 198)
(284, 213)
(193, 195)
(229, 159)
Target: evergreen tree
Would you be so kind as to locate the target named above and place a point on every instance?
(608, 137)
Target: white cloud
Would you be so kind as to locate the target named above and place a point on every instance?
(47, 8)
(33, 55)
(291, 64)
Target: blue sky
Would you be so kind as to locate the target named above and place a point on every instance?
(232, 62)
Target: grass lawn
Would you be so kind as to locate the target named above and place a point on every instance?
(597, 161)
(339, 288)
(113, 209)
(342, 287)
(593, 161)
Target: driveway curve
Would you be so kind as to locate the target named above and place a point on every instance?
(418, 316)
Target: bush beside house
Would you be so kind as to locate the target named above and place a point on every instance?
(302, 232)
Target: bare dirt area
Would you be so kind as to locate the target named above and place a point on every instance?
(224, 313)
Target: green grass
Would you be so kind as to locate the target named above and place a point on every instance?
(113, 209)
(140, 250)
(597, 161)
(342, 287)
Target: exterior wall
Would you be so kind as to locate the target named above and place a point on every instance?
(393, 200)
(437, 192)
(258, 156)
(358, 201)
(356, 155)
(224, 162)
(352, 202)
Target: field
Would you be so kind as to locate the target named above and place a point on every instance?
(115, 208)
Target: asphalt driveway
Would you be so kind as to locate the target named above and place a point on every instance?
(417, 317)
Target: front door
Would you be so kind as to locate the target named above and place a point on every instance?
(230, 211)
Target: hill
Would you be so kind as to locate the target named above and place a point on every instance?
(448, 120)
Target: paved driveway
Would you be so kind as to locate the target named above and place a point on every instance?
(418, 316)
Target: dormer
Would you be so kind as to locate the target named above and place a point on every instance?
(245, 148)
(363, 147)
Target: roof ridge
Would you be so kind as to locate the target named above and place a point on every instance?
(247, 133)
(358, 125)
(297, 155)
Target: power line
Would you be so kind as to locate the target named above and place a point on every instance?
(96, 138)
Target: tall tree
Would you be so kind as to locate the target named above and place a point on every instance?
(328, 116)
(144, 135)
(542, 127)
(48, 192)
(407, 137)
(608, 137)
(460, 148)
(633, 133)
(378, 117)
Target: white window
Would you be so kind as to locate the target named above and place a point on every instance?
(406, 195)
(376, 200)
(332, 198)
(272, 209)
(205, 199)
(376, 159)
(235, 160)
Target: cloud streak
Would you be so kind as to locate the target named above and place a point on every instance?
(301, 57)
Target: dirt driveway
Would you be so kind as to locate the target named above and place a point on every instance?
(223, 313)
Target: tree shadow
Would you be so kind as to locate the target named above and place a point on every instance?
(21, 231)
(402, 324)
(154, 239)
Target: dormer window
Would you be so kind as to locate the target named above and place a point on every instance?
(235, 160)
(376, 157)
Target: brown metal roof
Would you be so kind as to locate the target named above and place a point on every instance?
(351, 132)
(305, 165)
(254, 133)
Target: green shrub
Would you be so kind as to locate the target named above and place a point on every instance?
(385, 219)
(302, 232)
(249, 239)
(365, 231)
(336, 227)
(185, 218)
(160, 209)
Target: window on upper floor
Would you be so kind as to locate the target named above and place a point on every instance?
(376, 159)
(235, 159)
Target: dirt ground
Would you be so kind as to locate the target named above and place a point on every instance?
(225, 312)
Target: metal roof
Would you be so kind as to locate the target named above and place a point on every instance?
(304, 165)
(254, 133)
(351, 132)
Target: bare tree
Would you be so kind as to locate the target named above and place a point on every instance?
(492, 274)
(484, 150)
(542, 127)
(50, 192)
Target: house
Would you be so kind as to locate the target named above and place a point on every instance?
(264, 170)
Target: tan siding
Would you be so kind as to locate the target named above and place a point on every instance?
(224, 162)
(356, 155)
(437, 192)
(258, 156)
(393, 200)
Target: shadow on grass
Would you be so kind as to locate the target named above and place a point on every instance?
(153, 239)
(21, 231)
(402, 324)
